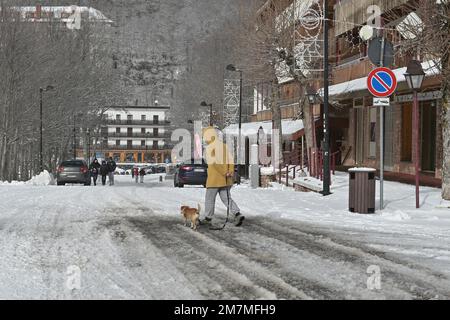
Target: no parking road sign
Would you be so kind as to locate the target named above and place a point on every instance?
(381, 82)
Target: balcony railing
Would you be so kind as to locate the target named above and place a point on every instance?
(138, 122)
(137, 135)
(138, 148)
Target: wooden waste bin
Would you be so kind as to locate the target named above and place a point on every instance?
(362, 190)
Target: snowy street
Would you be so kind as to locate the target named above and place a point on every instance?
(129, 242)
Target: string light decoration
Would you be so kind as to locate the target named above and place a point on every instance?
(231, 101)
(307, 35)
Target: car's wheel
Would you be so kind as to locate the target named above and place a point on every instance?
(180, 185)
(87, 183)
(60, 183)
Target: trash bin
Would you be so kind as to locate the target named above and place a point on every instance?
(362, 190)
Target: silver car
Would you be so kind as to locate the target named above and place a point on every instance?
(73, 171)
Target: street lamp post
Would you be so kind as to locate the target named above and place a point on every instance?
(41, 93)
(414, 77)
(74, 140)
(232, 68)
(88, 133)
(204, 104)
(326, 124)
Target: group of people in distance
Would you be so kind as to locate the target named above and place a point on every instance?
(137, 173)
(105, 169)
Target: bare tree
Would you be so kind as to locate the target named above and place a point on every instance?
(75, 63)
(269, 54)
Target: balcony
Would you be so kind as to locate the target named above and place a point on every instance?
(138, 135)
(138, 148)
(137, 122)
(356, 67)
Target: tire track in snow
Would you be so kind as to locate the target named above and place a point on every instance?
(414, 280)
(216, 270)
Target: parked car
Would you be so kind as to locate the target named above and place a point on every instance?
(119, 171)
(191, 173)
(150, 170)
(73, 171)
(161, 169)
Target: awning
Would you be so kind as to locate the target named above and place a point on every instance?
(429, 67)
(288, 127)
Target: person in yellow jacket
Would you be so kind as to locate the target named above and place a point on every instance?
(220, 176)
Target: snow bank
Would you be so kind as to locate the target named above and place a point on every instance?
(42, 179)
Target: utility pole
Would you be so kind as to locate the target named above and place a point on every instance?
(41, 162)
(326, 126)
(240, 126)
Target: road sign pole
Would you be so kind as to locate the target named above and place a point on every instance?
(382, 136)
(381, 157)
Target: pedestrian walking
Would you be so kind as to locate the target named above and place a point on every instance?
(104, 171)
(94, 170)
(111, 169)
(220, 177)
(142, 174)
(136, 174)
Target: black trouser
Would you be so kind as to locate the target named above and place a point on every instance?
(103, 179)
(94, 177)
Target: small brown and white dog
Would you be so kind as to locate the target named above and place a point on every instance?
(191, 214)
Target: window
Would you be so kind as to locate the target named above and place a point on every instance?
(143, 130)
(117, 142)
(142, 143)
(155, 144)
(143, 117)
(117, 130)
(118, 117)
(155, 132)
(406, 144)
(156, 119)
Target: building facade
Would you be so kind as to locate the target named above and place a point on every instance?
(135, 134)
(354, 121)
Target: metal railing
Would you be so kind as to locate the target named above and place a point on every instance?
(138, 148)
(137, 135)
(138, 122)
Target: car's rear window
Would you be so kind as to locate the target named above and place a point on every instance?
(72, 164)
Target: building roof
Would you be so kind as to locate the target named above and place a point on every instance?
(62, 12)
(429, 67)
(141, 107)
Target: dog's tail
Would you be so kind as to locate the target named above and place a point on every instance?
(199, 208)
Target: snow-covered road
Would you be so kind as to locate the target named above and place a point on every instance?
(128, 242)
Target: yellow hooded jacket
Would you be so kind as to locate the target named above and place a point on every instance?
(220, 161)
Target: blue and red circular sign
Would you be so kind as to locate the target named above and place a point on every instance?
(381, 82)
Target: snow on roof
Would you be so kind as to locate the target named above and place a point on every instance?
(429, 67)
(60, 12)
(288, 127)
(411, 22)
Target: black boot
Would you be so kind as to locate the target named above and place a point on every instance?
(204, 222)
(238, 219)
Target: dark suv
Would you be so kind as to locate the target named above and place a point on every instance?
(190, 173)
(73, 171)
